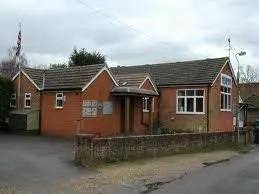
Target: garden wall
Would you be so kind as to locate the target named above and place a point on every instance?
(90, 150)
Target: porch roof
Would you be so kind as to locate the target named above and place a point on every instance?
(132, 91)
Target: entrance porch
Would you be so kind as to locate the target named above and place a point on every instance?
(137, 110)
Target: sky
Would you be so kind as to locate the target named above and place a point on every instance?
(131, 32)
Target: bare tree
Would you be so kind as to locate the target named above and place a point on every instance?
(10, 65)
(249, 74)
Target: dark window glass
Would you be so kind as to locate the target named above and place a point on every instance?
(181, 104)
(199, 93)
(190, 104)
(181, 92)
(199, 104)
(59, 103)
(190, 93)
(222, 101)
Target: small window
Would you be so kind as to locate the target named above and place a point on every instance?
(145, 104)
(27, 100)
(59, 100)
(13, 100)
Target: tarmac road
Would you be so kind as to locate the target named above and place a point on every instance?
(239, 175)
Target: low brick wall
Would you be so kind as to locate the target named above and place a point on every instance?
(91, 150)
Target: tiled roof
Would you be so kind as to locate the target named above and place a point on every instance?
(71, 78)
(64, 78)
(179, 73)
(131, 80)
(247, 89)
(35, 74)
(253, 101)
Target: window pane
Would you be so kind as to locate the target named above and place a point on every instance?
(27, 103)
(190, 93)
(199, 93)
(229, 102)
(59, 103)
(199, 104)
(13, 102)
(222, 101)
(181, 105)
(59, 95)
(190, 105)
(145, 103)
(225, 101)
(228, 90)
(181, 92)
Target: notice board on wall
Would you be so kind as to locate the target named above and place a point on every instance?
(89, 108)
(107, 107)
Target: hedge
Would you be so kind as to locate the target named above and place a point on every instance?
(6, 90)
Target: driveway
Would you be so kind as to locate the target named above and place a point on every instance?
(33, 159)
(240, 175)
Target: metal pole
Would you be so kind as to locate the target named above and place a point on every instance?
(238, 92)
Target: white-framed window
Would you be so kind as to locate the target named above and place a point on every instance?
(13, 100)
(225, 93)
(27, 100)
(145, 104)
(190, 101)
(59, 100)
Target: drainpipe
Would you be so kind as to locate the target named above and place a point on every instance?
(42, 88)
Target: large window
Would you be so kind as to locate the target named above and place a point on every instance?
(59, 100)
(13, 100)
(27, 100)
(225, 93)
(190, 101)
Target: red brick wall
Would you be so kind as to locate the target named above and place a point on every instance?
(63, 122)
(60, 122)
(184, 122)
(139, 126)
(106, 125)
(221, 120)
(146, 115)
(27, 87)
(147, 85)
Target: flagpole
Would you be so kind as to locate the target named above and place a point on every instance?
(19, 84)
(17, 54)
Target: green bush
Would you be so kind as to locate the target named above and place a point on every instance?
(6, 90)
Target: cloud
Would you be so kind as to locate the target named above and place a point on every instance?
(130, 32)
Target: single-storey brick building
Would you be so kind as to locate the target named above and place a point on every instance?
(188, 96)
(193, 95)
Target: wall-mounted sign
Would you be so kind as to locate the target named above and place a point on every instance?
(107, 107)
(226, 80)
(89, 108)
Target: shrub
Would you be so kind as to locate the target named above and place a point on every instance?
(6, 89)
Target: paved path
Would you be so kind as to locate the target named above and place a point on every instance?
(240, 175)
(27, 160)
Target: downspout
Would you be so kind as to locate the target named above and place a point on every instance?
(41, 91)
(208, 108)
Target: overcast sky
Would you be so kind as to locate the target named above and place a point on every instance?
(131, 32)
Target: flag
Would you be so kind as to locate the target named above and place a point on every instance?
(19, 40)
